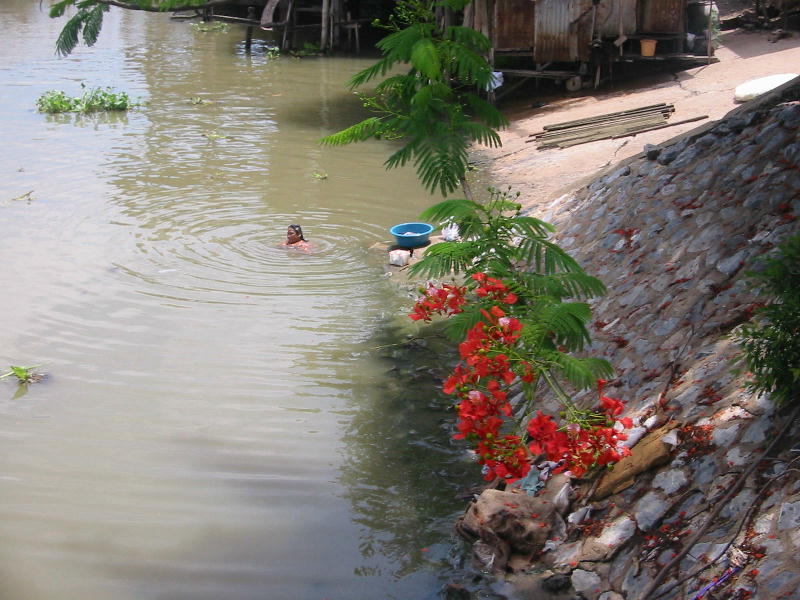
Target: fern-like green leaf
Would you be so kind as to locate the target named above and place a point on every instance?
(425, 58)
(379, 68)
(458, 325)
(581, 373)
(455, 208)
(468, 37)
(68, 38)
(481, 134)
(444, 259)
(532, 227)
(59, 8)
(397, 46)
(562, 285)
(400, 157)
(547, 257)
(93, 23)
(359, 132)
(485, 111)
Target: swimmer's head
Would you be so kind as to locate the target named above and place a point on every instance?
(294, 234)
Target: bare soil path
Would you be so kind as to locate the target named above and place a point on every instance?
(543, 175)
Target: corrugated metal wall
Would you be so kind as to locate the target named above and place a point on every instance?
(661, 16)
(615, 17)
(514, 24)
(563, 30)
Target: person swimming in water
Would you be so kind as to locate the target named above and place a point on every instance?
(295, 239)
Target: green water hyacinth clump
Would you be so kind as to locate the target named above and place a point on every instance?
(94, 100)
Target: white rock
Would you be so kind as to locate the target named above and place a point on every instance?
(670, 481)
(649, 509)
(789, 517)
(585, 581)
(618, 532)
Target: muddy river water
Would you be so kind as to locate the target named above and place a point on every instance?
(221, 417)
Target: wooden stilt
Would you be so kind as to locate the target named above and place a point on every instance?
(248, 40)
(324, 38)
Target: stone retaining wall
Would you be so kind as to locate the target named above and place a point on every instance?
(671, 234)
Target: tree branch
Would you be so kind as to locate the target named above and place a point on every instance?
(651, 587)
(163, 8)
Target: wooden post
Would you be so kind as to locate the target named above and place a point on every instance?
(325, 23)
(248, 40)
(709, 34)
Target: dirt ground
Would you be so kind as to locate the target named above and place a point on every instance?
(543, 175)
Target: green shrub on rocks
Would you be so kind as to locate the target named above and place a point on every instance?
(771, 342)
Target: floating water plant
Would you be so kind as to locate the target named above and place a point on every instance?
(212, 136)
(210, 27)
(93, 100)
(24, 374)
(319, 175)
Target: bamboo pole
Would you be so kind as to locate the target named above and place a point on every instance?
(628, 133)
(599, 124)
(607, 115)
(325, 24)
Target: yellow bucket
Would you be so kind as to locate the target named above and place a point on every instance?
(648, 47)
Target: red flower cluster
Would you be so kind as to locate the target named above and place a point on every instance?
(504, 457)
(582, 446)
(493, 289)
(489, 365)
(481, 383)
(445, 300)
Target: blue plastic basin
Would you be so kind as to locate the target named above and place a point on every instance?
(411, 235)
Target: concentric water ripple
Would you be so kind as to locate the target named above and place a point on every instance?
(217, 419)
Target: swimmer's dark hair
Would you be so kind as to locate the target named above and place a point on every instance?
(299, 231)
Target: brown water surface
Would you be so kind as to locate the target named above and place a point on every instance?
(215, 422)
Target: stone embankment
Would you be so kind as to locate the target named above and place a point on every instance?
(671, 233)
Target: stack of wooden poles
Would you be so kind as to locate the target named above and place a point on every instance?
(611, 125)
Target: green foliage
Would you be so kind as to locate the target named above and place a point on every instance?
(93, 100)
(405, 13)
(88, 17)
(497, 239)
(54, 101)
(772, 342)
(88, 20)
(435, 107)
(210, 27)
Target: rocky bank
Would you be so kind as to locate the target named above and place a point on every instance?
(671, 232)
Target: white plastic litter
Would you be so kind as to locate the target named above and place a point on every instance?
(634, 435)
(450, 232)
(561, 501)
(550, 545)
(755, 87)
(579, 515)
(671, 438)
(496, 81)
(399, 258)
